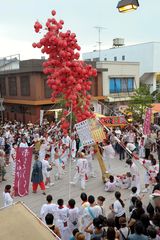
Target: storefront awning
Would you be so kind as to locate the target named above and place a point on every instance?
(155, 107)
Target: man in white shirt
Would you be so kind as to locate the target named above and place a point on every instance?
(48, 207)
(66, 140)
(131, 136)
(43, 149)
(130, 146)
(2, 141)
(108, 155)
(7, 133)
(73, 215)
(135, 175)
(62, 222)
(73, 148)
(81, 170)
(23, 143)
(64, 154)
(13, 158)
(46, 168)
(118, 132)
(89, 154)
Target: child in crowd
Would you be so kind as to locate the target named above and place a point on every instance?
(8, 196)
(110, 185)
(134, 192)
(74, 233)
(132, 205)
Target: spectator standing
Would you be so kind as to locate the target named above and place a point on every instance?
(118, 209)
(48, 207)
(8, 196)
(138, 235)
(49, 221)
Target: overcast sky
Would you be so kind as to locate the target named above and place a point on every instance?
(80, 16)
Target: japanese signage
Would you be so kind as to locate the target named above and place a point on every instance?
(84, 133)
(114, 121)
(90, 131)
(147, 122)
(22, 171)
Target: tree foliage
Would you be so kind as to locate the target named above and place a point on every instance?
(156, 95)
(141, 100)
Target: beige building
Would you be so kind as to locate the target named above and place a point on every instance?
(119, 81)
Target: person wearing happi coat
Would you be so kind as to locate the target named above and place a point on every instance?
(42, 150)
(62, 220)
(73, 148)
(81, 171)
(135, 175)
(108, 155)
(37, 176)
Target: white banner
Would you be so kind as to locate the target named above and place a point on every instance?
(41, 116)
(84, 133)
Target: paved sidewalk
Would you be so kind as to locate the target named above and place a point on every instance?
(62, 188)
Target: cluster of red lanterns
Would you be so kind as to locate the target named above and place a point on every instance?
(66, 74)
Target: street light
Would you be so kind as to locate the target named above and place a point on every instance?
(127, 5)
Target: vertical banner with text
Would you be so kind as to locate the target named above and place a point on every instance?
(22, 171)
(147, 122)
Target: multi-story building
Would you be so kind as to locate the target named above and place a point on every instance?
(147, 54)
(119, 81)
(26, 94)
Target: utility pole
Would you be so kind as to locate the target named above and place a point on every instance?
(99, 29)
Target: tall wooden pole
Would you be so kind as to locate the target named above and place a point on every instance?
(105, 174)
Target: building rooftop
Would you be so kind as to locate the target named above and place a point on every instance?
(30, 65)
(125, 46)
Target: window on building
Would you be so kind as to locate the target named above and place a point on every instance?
(121, 85)
(96, 59)
(12, 83)
(2, 87)
(25, 85)
(47, 90)
(123, 58)
(115, 59)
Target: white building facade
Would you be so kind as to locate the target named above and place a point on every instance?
(119, 81)
(147, 54)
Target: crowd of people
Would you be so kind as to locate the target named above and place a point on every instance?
(53, 151)
(90, 220)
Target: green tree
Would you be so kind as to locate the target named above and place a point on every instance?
(141, 100)
(156, 95)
